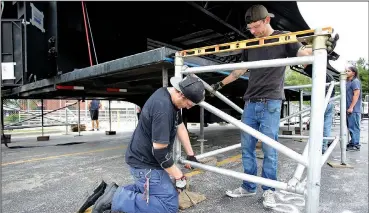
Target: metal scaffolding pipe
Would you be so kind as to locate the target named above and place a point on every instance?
(218, 151)
(251, 65)
(329, 150)
(202, 135)
(329, 93)
(42, 117)
(317, 121)
(294, 114)
(269, 141)
(306, 110)
(343, 117)
(300, 108)
(302, 137)
(299, 169)
(306, 86)
(109, 116)
(178, 64)
(220, 96)
(241, 176)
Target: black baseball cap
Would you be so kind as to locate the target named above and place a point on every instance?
(256, 13)
(191, 87)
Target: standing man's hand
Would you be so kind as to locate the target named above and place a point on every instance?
(349, 111)
(217, 86)
(331, 43)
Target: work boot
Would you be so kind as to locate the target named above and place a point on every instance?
(92, 198)
(240, 192)
(105, 200)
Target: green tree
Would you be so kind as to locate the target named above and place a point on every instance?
(362, 67)
(294, 78)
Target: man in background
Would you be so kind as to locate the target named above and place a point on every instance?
(94, 107)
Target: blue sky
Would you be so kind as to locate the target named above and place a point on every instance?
(349, 20)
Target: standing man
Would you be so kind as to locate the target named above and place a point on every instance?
(94, 107)
(353, 105)
(149, 155)
(263, 100)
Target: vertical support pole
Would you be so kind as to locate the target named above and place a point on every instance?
(202, 137)
(288, 113)
(343, 117)
(66, 118)
(178, 62)
(317, 121)
(42, 117)
(301, 104)
(110, 132)
(165, 76)
(109, 116)
(2, 119)
(79, 117)
(86, 115)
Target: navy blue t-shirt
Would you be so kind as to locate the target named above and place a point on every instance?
(351, 86)
(158, 123)
(95, 104)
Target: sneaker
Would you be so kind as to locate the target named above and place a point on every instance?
(353, 148)
(92, 198)
(269, 201)
(105, 200)
(239, 192)
(92, 129)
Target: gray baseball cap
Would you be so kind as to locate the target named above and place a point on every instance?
(191, 87)
(256, 13)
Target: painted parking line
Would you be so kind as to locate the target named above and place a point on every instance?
(60, 156)
(231, 159)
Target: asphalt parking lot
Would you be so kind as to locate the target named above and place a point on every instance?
(58, 175)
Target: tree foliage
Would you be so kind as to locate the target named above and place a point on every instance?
(293, 78)
(362, 67)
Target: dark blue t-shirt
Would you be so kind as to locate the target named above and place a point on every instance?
(95, 104)
(158, 123)
(351, 86)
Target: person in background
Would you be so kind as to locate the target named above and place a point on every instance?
(353, 105)
(94, 107)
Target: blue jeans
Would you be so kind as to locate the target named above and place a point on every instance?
(264, 117)
(163, 195)
(353, 125)
(328, 116)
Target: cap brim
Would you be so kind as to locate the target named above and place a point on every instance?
(271, 15)
(174, 81)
